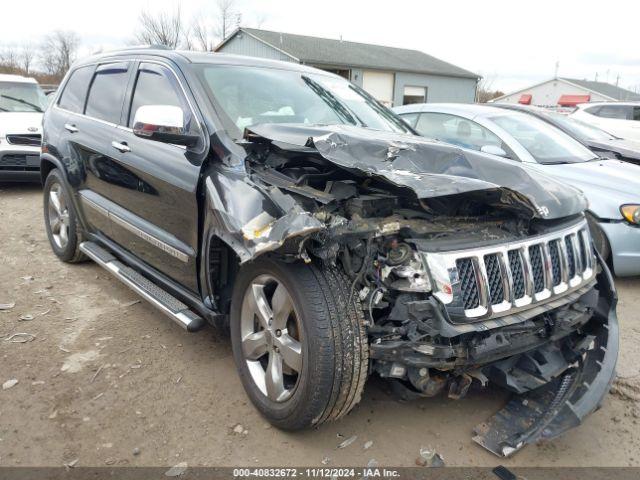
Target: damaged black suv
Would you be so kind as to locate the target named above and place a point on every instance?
(287, 205)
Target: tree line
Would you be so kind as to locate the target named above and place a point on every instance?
(49, 60)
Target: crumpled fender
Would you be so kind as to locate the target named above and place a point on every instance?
(251, 220)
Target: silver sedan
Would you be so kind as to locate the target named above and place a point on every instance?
(611, 186)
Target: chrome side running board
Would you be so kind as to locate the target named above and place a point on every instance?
(159, 298)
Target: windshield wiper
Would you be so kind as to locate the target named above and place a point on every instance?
(333, 102)
(19, 100)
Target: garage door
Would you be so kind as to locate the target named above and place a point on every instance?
(379, 85)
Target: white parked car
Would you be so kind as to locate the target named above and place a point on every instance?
(622, 119)
(22, 102)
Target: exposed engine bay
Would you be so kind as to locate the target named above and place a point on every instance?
(460, 280)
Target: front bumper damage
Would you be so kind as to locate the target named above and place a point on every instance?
(563, 403)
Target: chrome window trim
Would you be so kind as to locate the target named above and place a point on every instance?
(445, 279)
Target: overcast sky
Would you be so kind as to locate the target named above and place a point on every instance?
(512, 43)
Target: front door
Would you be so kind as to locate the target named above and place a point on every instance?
(155, 215)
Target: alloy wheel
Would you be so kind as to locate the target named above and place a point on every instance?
(270, 335)
(58, 213)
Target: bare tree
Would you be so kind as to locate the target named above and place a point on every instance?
(27, 56)
(227, 15)
(162, 29)
(58, 51)
(9, 59)
(485, 91)
(202, 34)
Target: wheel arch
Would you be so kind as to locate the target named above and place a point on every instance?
(49, 162)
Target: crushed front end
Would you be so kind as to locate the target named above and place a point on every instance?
(461, 279)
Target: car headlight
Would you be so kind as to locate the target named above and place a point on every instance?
(631, 213)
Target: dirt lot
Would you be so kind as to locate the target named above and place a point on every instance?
(109, 380)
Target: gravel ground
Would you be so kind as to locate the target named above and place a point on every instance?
(107, 380)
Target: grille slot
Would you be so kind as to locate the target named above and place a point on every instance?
(30, 140)
(554, 253)
(582, 249)
(571, 261)
(494, 277)
(537, 267)
(515, 264)
(468, 284)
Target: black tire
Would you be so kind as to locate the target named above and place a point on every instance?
(70, 251)
(333, 340)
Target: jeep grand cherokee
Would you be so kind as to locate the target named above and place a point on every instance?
(287, 205)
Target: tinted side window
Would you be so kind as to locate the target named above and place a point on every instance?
(621, 112)
(153, 87)
(107, 92)
(636, 113)
(75, 92)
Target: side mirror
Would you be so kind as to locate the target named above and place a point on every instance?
(494, 150)
(163, 123)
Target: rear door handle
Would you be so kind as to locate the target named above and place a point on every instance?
(121, 147)
(70, 128)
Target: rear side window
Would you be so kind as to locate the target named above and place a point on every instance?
(154, 86)
(636, 113)
(75, 92)
(621, 112)
(107, 91)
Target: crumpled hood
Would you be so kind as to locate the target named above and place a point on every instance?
(20, 123)
(626, 148)
(430, 169)
(607, 184)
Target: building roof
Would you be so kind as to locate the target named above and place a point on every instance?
(329, 52)
(606, 89)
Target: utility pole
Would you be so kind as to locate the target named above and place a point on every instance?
(557, 69)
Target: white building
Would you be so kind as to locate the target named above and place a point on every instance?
(568, 92)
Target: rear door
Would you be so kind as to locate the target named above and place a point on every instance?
(92, 104)
(156, 212)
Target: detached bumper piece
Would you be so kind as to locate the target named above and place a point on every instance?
(548, 411)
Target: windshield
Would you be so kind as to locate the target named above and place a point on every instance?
(546, 143)
(253, 95)
(21, 97)
(583, 131)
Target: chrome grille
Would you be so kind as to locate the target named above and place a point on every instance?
(501, 279)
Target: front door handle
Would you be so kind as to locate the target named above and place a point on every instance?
(121, 147)
(71, 128)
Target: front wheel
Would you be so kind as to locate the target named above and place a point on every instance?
(299, 342)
